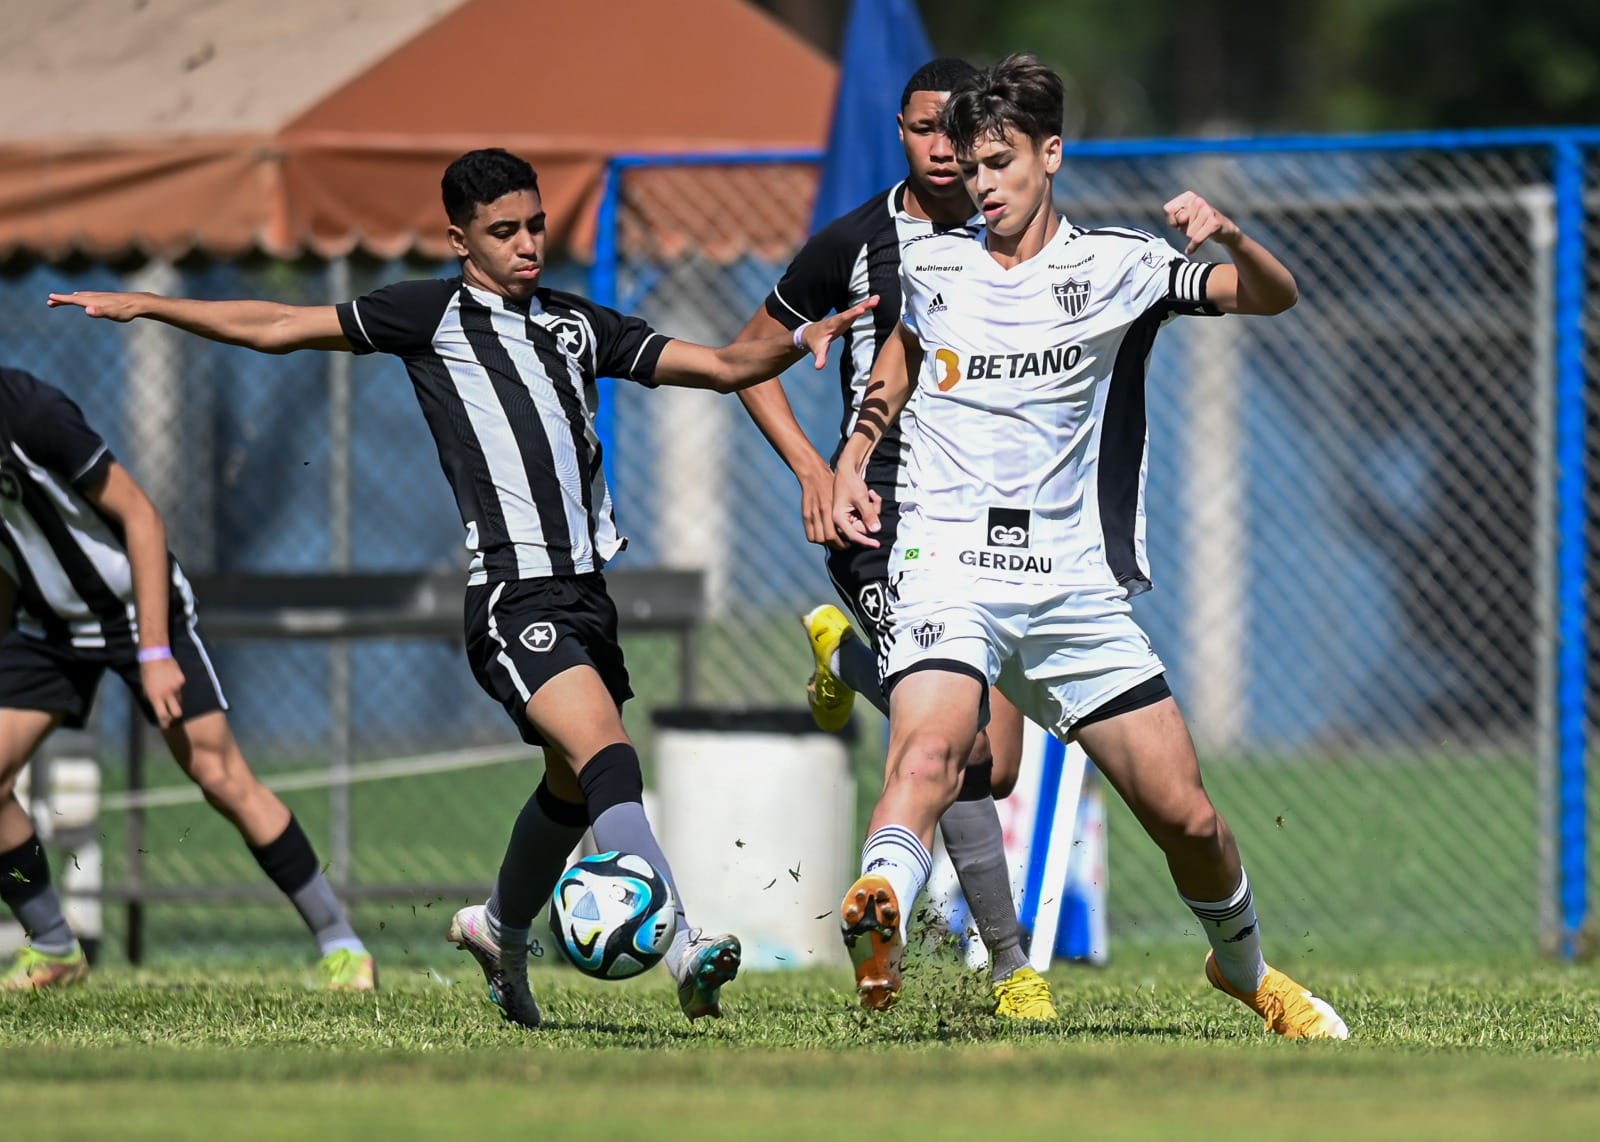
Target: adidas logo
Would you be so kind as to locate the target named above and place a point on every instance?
(937, 305)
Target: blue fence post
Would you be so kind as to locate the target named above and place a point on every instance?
(603, 290)
(1572, 551)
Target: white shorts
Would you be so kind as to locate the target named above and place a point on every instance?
(1058, 654)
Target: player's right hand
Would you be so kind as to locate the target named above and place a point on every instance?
(855, 508)
(101, 303)
(818, 335)
(816, 508)
(162, 682)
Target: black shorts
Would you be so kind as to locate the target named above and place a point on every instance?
(861, 575)
(522, 634)
(59, 678)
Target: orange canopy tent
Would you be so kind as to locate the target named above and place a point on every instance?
(296, 126)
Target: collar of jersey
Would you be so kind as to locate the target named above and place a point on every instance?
(535, 307)
(1064, 234)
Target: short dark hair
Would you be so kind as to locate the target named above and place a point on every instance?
(480, 177)
(936, 75)
(1017, 95)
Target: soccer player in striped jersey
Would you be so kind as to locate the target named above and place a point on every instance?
(856, 256)
(87, 585)
(505, 372)
(1023, 538)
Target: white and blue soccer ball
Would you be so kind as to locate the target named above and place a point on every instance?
(613, 915)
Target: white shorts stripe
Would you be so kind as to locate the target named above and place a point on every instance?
(503, 658)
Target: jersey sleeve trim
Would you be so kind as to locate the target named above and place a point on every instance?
(645, 360)
(784, 316)
(355, 330)
(95, 469)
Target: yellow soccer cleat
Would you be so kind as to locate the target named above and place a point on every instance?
(1289, 1009)
(1024, 994)
(869, 919)
(34, 970)
(346, 970)
(831, 700)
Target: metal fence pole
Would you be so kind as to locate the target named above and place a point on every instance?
(603, 290)
(1540, 204)
(1571, 425)
(339, 763)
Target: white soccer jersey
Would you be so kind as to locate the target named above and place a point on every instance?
(1028, 443)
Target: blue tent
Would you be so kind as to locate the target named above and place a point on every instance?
(884, 43)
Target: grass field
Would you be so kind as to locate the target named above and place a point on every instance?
(1143, 1050)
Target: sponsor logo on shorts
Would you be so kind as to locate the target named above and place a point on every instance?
(1008, 527)
(538, 637)
(1155, 259)
(871, 601)
(937, 305)
(1007, 561)
(927, 633)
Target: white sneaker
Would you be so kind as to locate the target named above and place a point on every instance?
(506, 972)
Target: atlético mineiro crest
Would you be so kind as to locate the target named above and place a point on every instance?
(927, 633)
(1071, 295)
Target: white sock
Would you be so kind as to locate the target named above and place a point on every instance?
(895, 853)
(1235, 935)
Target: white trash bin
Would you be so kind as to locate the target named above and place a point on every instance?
(757, 815)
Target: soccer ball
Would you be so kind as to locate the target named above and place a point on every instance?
(613, 915)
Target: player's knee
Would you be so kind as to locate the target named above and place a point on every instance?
(1195, 825)
(223, 778)
(930, 764)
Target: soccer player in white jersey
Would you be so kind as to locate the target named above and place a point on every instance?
(856, 256)
(1023, 536)
(505, 372)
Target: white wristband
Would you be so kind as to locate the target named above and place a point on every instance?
(800, 332)
(154, 654)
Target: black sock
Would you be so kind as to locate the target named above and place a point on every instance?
(291, 863)
(613, 790)
(25, 888)
(545, 833)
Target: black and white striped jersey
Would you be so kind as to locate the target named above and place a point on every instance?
(847, 261)
(508, 390)
(69, 560)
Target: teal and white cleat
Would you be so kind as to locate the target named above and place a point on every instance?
(708, 963)
(505, 971)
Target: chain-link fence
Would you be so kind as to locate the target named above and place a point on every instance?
(1358, 523)
(1356, 520)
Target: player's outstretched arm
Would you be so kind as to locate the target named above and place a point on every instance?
(768, 405)
(745, 363)
(121, 499)
(855, 506)
(1256, 282)
(266, 326)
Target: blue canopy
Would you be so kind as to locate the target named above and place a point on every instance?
(884, 43)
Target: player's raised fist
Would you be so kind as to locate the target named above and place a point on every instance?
(98, 303)
(1199, 221)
